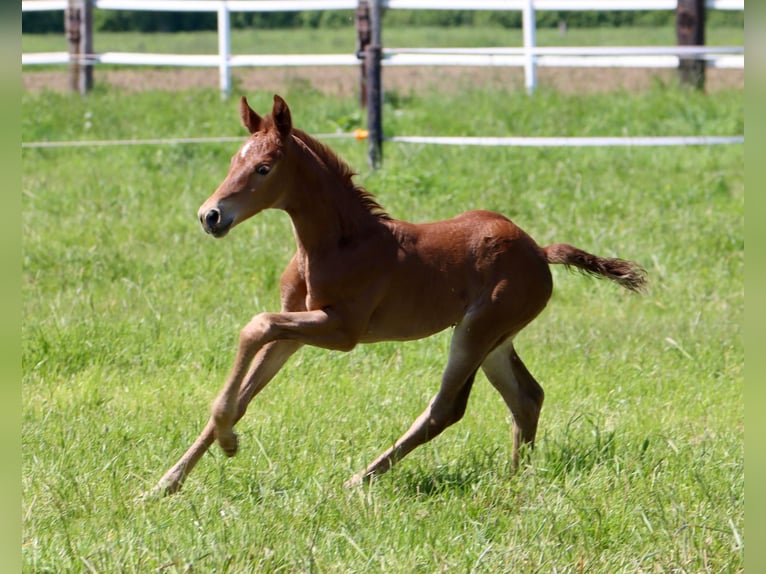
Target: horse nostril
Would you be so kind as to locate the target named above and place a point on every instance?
(212, 218)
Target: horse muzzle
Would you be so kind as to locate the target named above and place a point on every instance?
(214, 222)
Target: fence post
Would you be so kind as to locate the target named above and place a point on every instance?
(529, 31)
(86, 77)
(362, 20)
(224, 49)
(79, 33)
(690, 31)
(373, 57)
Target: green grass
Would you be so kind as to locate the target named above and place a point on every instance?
(131, 313)
(343, 40)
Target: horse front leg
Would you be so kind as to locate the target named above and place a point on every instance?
(224, 408)
(320, 328)
(265, 366)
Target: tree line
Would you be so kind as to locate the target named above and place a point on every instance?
(139, 21)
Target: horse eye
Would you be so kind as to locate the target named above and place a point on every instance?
(262, 169)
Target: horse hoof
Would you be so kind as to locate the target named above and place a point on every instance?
(229, 444)
(354, 481)
(160, 490)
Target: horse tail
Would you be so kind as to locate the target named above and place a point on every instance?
(626, 273)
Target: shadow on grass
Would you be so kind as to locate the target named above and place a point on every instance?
(462, 476)
(583, 446)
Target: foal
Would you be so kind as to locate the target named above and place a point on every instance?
(360, 276)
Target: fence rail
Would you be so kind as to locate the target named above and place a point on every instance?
(667, 58)
(586, 56)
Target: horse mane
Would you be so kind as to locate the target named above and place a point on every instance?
(336, 164)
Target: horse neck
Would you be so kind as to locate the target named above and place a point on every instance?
(325, 208)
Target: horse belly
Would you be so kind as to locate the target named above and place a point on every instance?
(443, 269)
(413, 315)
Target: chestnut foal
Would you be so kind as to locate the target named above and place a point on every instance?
(360, 276)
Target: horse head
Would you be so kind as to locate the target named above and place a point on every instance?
(253, 182)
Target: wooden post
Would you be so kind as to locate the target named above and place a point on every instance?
(86, 77)
(373, 57)
(362, 19)
(690, 31)
(72, 25)
(79, 32)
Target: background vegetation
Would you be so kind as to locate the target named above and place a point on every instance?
(137, 21)
(131, 313)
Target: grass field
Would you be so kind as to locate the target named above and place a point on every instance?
(131, 313)
(343, 40)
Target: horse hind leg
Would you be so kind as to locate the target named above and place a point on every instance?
(446, 408)
(442, 411)
(521, 392)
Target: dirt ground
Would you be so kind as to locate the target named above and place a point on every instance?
(344, 81)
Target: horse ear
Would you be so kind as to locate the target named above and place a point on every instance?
(250, 119)
(280, 113)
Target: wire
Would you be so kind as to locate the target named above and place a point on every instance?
(157, 141)
(360, 135)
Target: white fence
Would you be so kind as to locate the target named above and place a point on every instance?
(529, 55)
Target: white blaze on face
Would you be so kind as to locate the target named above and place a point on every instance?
(245, 149)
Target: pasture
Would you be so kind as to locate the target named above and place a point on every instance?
(131, 315)
(343, 39)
